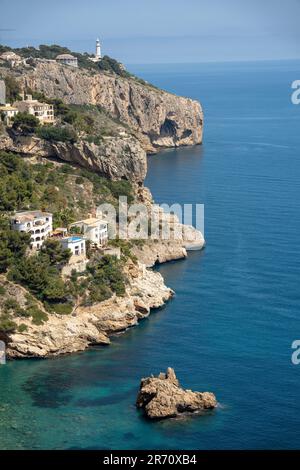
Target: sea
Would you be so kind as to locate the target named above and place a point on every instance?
(236, 313)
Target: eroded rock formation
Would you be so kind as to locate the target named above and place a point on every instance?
(159, 119)
(63, 334)
(114, 158)
(162, 397)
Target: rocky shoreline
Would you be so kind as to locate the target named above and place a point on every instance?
(146, 119)
(86, 326)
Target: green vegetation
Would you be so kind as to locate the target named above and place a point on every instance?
(106, 278)
(26, 123)
(63, 190)
(55, 188)
(62, 308)
(126, 247)
(40, 274)
(13, 89)
(7, 325)
(22, 327)
(13, 245)
(108, 64)
(56, 134)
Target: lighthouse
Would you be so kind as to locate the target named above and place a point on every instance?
(97, 57)
(98, 50)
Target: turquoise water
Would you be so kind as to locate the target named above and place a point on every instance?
(230, 326)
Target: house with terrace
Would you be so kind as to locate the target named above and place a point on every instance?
(93, 229)
(43, 111)
(76, 244)
(37, 223)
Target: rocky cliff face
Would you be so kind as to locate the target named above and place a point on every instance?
(159, 119)
(63, 334)
(115, 157)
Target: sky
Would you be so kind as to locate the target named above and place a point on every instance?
(158, 31)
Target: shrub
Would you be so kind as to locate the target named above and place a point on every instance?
(107, 277)
(26, 123)
(22, 327)
(99, 293)
(12, 89)
(62, 308)
(13, 245)
(42, 279)
(79, 180)
(111, 65)
(10, 304)
(55, 253)
(7, 325)
(57, 134)
(38, 316)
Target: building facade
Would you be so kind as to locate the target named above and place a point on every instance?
(76, 244)
(93, 229)
(12, 58)
(7, 113)
(43, 111)
(2, 92)
(37, 223)
(67, 59)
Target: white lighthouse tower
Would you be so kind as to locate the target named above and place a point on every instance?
(97, 57)
(98, 49)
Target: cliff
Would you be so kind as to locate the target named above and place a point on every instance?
(117, 157)
(159, 119)
(137, 118)
(63, 334)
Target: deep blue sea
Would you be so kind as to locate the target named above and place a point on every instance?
(236, 311)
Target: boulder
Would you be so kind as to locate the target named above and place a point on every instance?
(162, 397)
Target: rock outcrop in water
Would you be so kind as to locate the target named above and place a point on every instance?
(162, 397)
(159, 119)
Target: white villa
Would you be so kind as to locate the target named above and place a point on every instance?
(7, 112)
(37, 223)
(94, 229)
(67, 59)
(12, 58)
(74, 243)
(43, 111)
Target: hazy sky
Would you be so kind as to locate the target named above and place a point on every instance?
(143, 31)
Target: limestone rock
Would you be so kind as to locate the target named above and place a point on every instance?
(180, 238)
(63, 334)
(162, 397)
(115, 158)
(160, 119)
